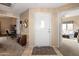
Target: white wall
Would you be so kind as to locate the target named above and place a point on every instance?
(18, 25)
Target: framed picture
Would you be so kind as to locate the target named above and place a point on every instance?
(25, 23)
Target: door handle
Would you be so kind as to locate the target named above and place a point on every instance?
(49, 31)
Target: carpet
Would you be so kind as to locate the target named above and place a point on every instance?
(10, 47)
(46, 50)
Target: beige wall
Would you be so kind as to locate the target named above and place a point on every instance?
(5, 24)
(66, 7)
(25, 31)
(7, 18)
(24, 16)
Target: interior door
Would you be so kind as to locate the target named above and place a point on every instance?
(42, 29)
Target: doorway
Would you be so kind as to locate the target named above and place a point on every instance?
(42, 29)
(69, 45)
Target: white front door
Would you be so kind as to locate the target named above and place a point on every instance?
(42, 29)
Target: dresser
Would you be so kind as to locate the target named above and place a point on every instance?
(23, 40)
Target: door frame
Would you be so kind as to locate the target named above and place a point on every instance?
(50, 43)
(60, 24)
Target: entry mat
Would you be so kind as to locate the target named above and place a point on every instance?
(45, 50)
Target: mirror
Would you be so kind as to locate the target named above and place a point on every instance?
(25, 23)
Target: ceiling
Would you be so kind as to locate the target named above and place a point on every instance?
(18, 8)
(71, 13)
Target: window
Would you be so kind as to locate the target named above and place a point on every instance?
(70, 26)
(64, 26)
(42, 24)
(67, 27)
